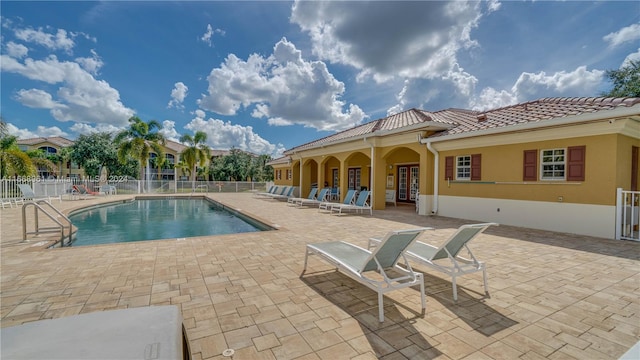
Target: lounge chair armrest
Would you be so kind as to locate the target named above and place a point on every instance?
(373, 242)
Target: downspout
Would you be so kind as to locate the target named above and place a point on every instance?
(300, 175)
(373, 172)
(436, 168)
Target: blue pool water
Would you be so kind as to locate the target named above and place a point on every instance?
(152, 219)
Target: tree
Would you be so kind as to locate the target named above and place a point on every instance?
(92, 152)
(12, 159)
(41, 161)
(137, 142)
(196, 153)
(626, 80)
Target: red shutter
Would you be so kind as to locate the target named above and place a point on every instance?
(576, 163)
(530, 166)
(476, 161)
(448, 168)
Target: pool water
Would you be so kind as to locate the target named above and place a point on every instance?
(153, 219)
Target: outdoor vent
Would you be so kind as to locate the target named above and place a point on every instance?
(482, 117)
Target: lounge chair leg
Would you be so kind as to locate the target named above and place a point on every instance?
(455, 289)
(422, 295)
(380, 307)
(484, 276)
(306, 256)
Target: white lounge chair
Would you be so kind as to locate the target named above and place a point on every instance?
(361, 204)
(279, 191)
(357, 263)
(323, 195)
(285, 195)
(271, 190)
(4, 202)
(348, 199)
(435, 257)
(311, 196)
(29, 194)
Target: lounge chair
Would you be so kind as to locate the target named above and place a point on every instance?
(362, 203)
(323, 195)
(286, 194)
(348, 199)
(83, 192)
(29, 194)
(311, 196)
(434, 257)
(272, 189)
(357, 263)
(277, 192)
(4, 202)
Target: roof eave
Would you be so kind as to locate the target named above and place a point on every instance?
(631, 112)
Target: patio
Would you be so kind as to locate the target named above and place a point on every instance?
(552, 295)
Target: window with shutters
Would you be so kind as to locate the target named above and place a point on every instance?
(463, 167)
(563, 164)
(552, 164)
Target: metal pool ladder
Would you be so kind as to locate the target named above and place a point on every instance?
(41, 206)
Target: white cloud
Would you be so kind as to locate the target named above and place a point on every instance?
(530, 86)
(91, 64)
(87, 129)
(16, 50)
(575, 83)
(58, 41)
(285, 89)
(626, 34)
(224, 135)
(169, 130)
(206, 37)
(41, 131)
(36, 98)
(178, 94)
(631, 57)
(491, 98)
(419, 39)
(80, 98)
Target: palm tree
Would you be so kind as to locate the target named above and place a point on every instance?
(196, 153)
(12, 159)
(138, 141)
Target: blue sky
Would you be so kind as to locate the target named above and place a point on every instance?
(268, 76)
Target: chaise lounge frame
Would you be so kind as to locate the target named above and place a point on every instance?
(357, 262)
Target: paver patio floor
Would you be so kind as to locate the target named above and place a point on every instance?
(552, 295)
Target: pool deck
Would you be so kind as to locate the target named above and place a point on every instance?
(552, 295)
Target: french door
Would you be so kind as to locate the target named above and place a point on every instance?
(408, 180)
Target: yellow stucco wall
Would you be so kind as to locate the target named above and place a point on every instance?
(502, 172)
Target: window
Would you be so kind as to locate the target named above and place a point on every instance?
(463, 167)
(467, 167)
(556, 164)
(289, 174)
(552, 164)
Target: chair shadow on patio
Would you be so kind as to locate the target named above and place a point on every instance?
(470, 306)
(397, 333)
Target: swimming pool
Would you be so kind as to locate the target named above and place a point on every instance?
(158, 218)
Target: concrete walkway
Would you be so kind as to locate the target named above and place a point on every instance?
(552, 295)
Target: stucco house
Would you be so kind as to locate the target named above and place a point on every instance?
(552, 163)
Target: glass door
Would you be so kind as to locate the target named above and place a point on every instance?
(408, 180)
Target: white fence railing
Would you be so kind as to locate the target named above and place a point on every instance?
(60, 187)
(628, 215)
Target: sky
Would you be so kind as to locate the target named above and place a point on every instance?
(268, 76)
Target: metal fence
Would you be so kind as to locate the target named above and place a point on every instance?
(628, 215)
(9, 189)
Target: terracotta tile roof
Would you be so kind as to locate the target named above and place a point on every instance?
(458, 121)
(55, 140)
(392, 122)
(531, 112)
